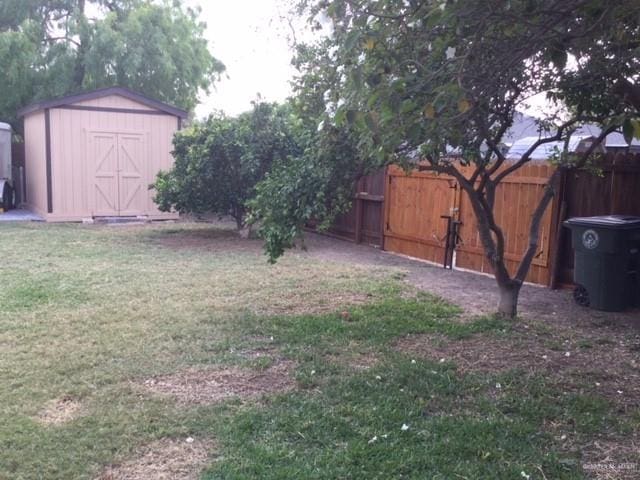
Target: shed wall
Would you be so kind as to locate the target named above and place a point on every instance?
(72, 165)
(35, 163)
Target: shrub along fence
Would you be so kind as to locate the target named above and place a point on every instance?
(412, 214)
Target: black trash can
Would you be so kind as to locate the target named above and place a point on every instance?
(607, 261)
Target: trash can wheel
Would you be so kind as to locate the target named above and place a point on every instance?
(581, 296)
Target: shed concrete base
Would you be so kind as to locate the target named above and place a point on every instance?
(84, 219)
(20, 215)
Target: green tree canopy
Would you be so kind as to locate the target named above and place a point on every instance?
(441, 81)
(50, 48)
(219, 161)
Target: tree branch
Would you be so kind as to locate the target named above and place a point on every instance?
(549, 192)
(541, 141)
(63, 37)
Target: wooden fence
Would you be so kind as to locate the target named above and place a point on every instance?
(614, 190)
(516, 198)
(413, 208)
(404, 213)
(418, 204)
(363, 222)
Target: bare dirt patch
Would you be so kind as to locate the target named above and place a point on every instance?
(354, 358)
(215, 237)
(59, 411)
(167, 459)
(587, 362)
(207, 386)
(363, 361)
(612, 459)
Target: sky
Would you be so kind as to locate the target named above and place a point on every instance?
(253, 39)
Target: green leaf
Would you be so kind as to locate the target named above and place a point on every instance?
(340, 117)
(356, 76)
(407, 106)
(352, 40)
(373, 98)
(371, 120)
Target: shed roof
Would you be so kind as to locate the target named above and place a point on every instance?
(104, 92)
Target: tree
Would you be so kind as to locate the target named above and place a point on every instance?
(218, 162)
(50, 48)
(442, 80)
(317, 183)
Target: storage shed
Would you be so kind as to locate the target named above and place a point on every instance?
(95, 154)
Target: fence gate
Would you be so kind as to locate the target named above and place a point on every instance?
(415, 205)
(516, 198)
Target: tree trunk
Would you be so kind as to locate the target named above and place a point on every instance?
(508, 303)
(245, 232)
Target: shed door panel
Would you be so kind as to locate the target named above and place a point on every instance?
(103, 149)
(131, 160)
(117, 179)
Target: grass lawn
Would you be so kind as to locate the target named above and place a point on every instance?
(130, 352)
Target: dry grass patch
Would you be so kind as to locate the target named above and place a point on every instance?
(576, 361)
(167, 459)
(299, 302)
(479, 353)
(59, 411)
(296, 285)
(354, 358)
(612, 459)
(363, 361)
(207, 386)
(209, 239)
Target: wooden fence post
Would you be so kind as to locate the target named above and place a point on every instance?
(358, 227)
(558, 214)
(384, 213)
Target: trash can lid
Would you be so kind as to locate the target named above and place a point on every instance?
(606, 221)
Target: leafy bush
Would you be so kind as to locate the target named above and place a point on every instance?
(316, 185)
(219, 162)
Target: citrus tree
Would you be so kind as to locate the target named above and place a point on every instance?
(440, 81)
(219, 161)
